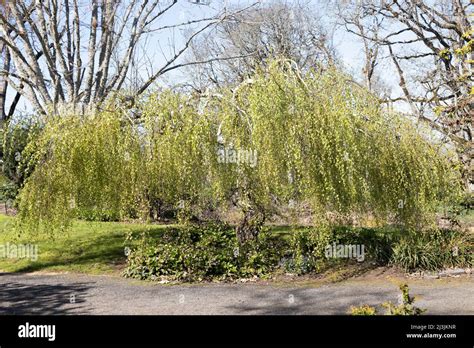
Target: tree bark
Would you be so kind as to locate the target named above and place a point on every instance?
(3, 81)
(251, 225)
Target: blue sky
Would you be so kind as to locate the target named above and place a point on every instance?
(158, 46)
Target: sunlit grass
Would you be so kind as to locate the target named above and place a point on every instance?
(89, 247)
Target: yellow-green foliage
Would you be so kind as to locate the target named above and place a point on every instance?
(363, 310)
(342, 150)
(318, 137)
(82, 166)
(406, 307)
(178, 148)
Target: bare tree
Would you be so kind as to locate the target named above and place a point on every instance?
(4, 65)
(356, 20)
(269, 29)
(429, 44)
(78, 52)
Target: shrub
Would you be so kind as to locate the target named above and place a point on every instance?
(8, 192)
(410, 250)
(433, 250)
(212, 251)
(378, 243)
(202, 253)
(307, 249)
(15, 135)
(260, 256)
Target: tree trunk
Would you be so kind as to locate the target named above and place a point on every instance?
(3, 81)
(251, 225)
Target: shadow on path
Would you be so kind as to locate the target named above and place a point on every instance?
(22, 298)
(326, 301)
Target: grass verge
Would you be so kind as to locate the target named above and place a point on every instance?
(89, 247)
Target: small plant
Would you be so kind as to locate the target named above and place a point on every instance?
(406, 307)
(363, 310)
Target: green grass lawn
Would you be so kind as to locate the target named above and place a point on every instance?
(89, 247)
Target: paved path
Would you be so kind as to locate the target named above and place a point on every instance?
(82, 294)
